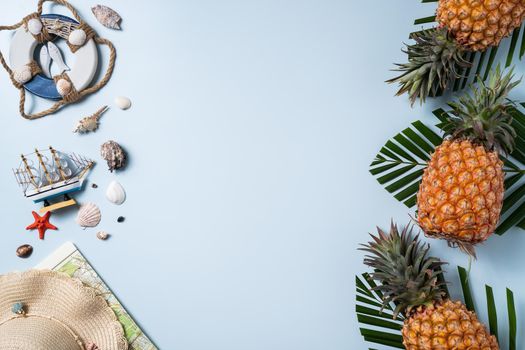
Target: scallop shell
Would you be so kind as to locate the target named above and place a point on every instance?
(77, 37)
(63, 87)
(89, 215)
(34, 26)
(115, 193)
(123, 102)
(107, 16)
(23, 74)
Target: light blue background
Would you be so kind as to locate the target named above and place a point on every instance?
(252, 128)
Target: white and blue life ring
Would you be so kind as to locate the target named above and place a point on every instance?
(82, 72)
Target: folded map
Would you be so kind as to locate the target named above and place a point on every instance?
(69, 260)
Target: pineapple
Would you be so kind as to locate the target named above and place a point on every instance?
(477, 24)
(461, 193)
(439, 54)
(412, 281)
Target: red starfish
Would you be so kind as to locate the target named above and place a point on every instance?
(41, 224)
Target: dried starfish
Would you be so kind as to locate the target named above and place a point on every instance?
(41, 224)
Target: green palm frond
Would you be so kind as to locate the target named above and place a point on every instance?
(400, 163)
(482, 62)
(381, 328)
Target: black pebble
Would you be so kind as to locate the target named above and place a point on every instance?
(94, 185)
(121, 219)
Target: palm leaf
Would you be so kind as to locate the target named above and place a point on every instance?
(400, 163)
(484, 61)
(379, 327)
(386, 330)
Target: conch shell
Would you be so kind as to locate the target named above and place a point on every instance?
(89, 124)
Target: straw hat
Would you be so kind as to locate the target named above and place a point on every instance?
(42, 310)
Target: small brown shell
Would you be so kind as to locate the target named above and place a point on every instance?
(114, 155)
(91, 346)
(24, 251)
(102, 235)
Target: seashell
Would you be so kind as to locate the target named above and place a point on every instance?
(23, 74)
(56, 55)
(45, 61)
(102, 235)
(114, 155)
(116, 193)
(34, 26)
(91, 346)
(123, 102)
(24, 251)
(89, 215)
(107, 17)
(89, 124)
(77, 37)
(64, 87)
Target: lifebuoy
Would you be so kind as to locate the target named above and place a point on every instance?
(82, 72)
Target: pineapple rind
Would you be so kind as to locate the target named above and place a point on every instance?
(446, 325)
(477, 24)
(461, 193)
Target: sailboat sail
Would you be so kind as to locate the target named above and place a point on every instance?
(44, 174)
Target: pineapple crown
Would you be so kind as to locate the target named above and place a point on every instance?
(482, 116)
(407, 276)
(433, 62)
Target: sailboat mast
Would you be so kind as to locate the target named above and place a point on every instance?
(57, 162)
(43, 166)
(28, 169)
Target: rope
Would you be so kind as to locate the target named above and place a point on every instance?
(74, 95)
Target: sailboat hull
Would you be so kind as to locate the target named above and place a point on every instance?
(55, 191)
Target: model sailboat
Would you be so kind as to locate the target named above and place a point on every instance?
(48, 175)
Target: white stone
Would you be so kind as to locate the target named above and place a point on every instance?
(22, 75)
(63, 87)
(77, 37)
(123, 102)
(34, 26)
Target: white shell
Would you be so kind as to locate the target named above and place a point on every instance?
(23, 74)
(89, 215)
(34, 26)
(77, 37)
(115, 193)
(123, 102)
(102, 235)
(63, 87)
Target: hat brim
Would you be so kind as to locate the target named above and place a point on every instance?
(67, 300)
